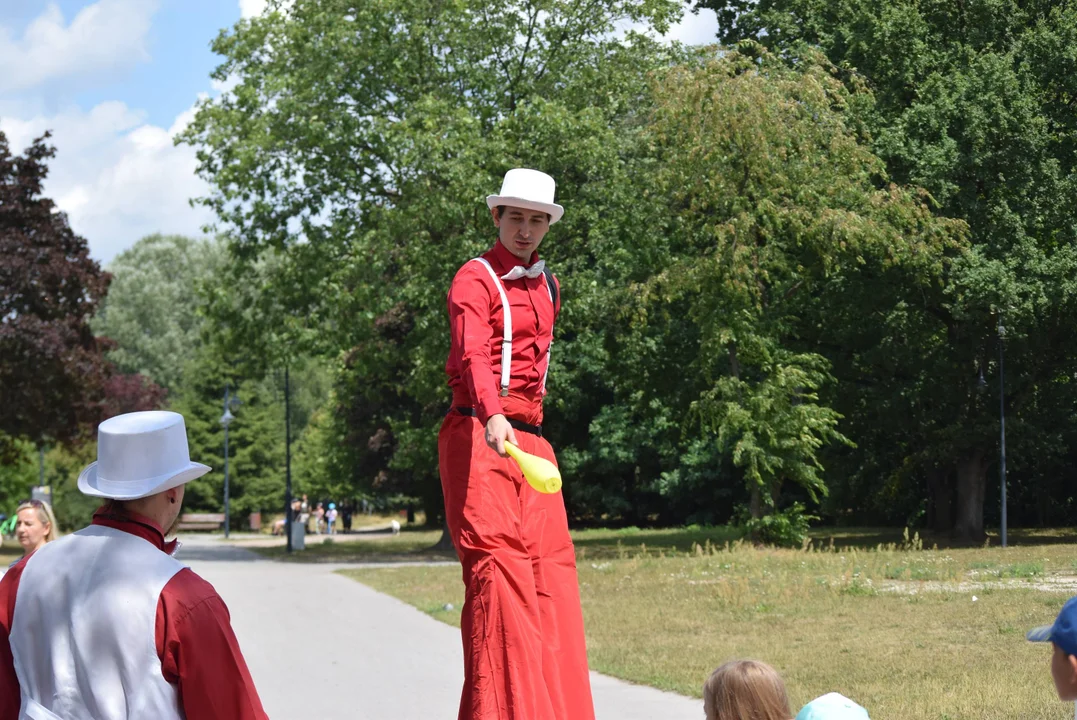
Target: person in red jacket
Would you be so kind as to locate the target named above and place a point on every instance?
(107, 624)
(522, 625)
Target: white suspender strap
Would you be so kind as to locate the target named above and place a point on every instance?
(506, 341)
(549, 349)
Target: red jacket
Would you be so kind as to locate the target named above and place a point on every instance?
(477, 321)
(199, 652)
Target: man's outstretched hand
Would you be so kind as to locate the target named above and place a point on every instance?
(498, 431)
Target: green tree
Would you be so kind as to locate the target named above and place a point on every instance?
(719, 214)
(972, 101)
(776, 197)
(17, 476)
(255, 437)
(352, 158)
(63, 464)
(153, 309)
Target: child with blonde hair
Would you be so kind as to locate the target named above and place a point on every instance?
(745, 690)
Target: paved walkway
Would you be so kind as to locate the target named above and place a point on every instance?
(323, 647)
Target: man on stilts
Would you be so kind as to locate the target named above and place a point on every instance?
(522, 626)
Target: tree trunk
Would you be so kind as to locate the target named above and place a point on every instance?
(755, 504)
(971, 484)
(940, 488)
(629, 515)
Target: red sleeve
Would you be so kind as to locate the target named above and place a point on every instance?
(10, 694)
(200, 654)
(469, 318)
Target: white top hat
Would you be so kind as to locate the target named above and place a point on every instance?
(140, 454)
(528, 189)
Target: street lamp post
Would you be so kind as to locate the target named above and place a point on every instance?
(1002, 422)
(287, 461)
(226, 420)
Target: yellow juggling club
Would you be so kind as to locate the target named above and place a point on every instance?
(540, 473)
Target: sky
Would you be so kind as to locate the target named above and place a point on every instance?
(115, 81)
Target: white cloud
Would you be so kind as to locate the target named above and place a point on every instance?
(692, 29)
(251, 8)
(254, 8)
(696, 29)
(105, 36)
(224, 86)
(117, 177)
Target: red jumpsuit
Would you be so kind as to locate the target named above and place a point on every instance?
(522, 626)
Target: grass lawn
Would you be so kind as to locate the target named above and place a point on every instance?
(414, 545)
(9, 553)
(896, 629)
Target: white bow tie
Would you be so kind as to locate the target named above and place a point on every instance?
(520, 271)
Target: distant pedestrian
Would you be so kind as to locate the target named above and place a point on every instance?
(1063, 638)
(319, 516)
(745, 689)
(346, 511)
(331, 519)
(279, 526)
(304, 514)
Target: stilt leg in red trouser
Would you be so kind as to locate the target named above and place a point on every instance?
(522, 626)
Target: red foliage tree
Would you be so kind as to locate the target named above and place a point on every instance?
(53, 371)
(131, 393)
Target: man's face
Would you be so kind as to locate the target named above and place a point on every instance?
(1064, 672)
(521, 231)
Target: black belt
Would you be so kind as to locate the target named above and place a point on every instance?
(517, 424)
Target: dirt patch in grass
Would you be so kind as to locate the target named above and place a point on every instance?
(666, 618)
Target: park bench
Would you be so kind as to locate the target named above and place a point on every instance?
(201, 521)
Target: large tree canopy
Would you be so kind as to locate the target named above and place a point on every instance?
(783, 213)
(152, 312)
(356, 149)
(732, 253)
(52, 370)
(974, 102)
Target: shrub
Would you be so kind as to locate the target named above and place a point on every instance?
(783, 528)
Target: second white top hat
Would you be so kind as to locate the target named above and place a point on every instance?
(140, 454)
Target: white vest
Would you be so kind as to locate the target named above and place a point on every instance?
(83, 634)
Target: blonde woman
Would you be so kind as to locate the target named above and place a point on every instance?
(36, 525)
(745, 690)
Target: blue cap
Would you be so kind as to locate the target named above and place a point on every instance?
(832, 706)
(332, 506)
(1063, 633)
